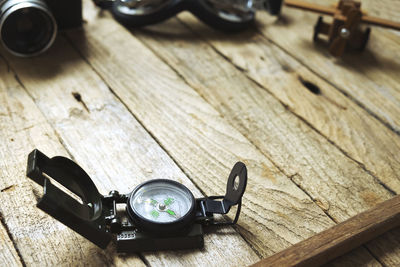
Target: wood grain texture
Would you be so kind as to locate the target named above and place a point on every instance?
(8, 254)
(319, 168)
(107, 141)
(171, 121)
(369, 78)
(341, 238)
(40, 240)
(332, 114)
(73, 113)
(192, 132)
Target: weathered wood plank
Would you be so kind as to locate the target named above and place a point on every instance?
(387, 9)
(8, 254)
(335, 116)
(259, 117)
(369, 78)
(111, 145)
(165, 106)
(40, 240)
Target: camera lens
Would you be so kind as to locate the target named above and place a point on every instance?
(27, 28)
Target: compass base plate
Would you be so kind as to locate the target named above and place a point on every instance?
(137, 241)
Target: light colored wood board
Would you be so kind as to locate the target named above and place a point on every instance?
(177, 118)
(318, 167)
(40, 240)
(369, 78)
(8, 254)
(335, 116)
(107, 141)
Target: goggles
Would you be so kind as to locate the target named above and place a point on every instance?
(225, 15)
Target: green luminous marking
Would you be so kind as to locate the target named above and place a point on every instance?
(168, 201)
(171, 212)
(155, 214)
(152, 202)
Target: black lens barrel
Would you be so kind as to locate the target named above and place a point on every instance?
(27, 27)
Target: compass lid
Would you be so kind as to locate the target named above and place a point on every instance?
(69, 195)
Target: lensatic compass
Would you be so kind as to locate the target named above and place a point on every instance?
(159, 214)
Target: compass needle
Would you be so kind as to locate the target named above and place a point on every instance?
(172, 213)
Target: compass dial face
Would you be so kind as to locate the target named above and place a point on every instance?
(161, 201)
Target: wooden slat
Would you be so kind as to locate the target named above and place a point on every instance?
(309, 159)
(370, 78)
(339, 239)
(165, 106)
(107, 141)
(40, 240)
(8, 254)
(381, 22)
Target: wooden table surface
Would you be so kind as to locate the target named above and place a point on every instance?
(181, 101)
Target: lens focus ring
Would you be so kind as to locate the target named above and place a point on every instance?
(27, 27)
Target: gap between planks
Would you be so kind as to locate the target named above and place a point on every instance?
(12, 241)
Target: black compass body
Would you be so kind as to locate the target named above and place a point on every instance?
(160, 214)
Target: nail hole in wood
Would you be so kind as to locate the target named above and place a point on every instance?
(77, 96)
(310, 86)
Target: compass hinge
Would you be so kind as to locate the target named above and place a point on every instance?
(110, 202)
